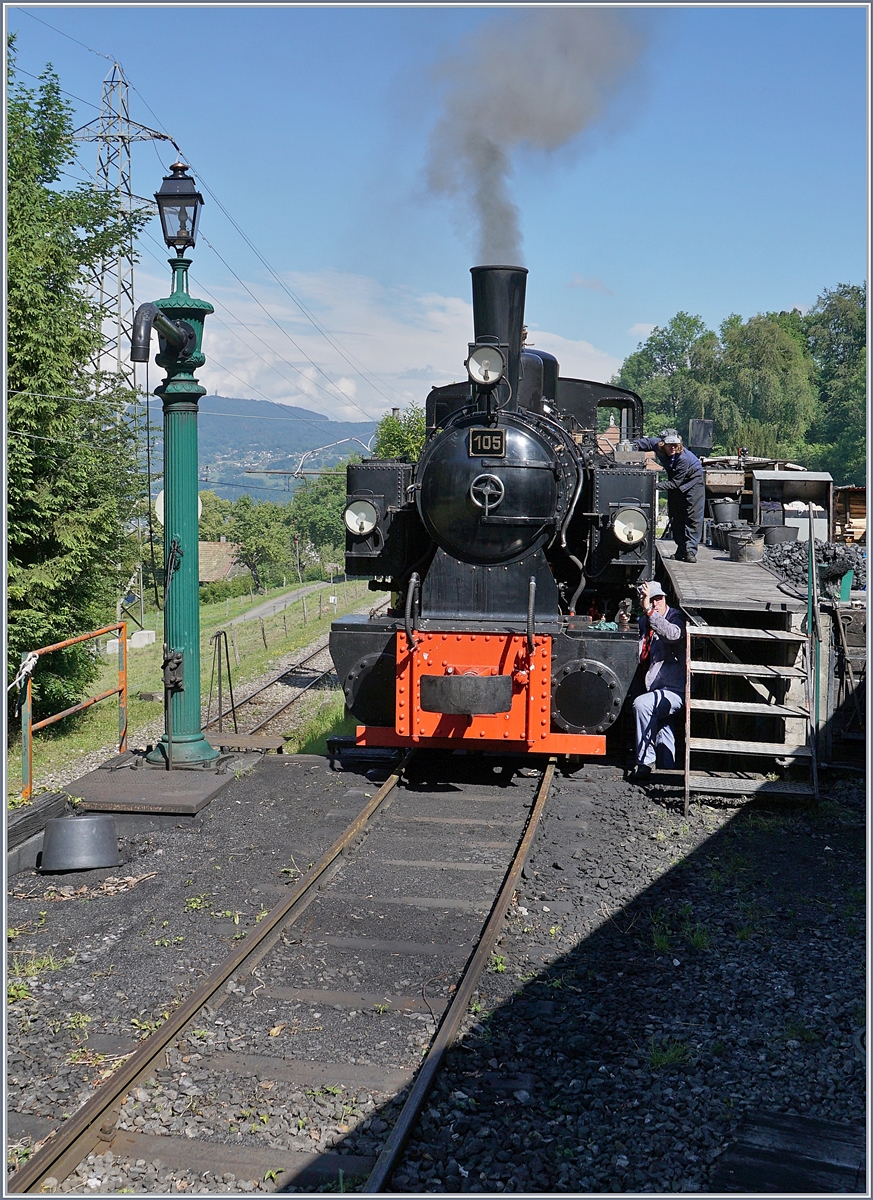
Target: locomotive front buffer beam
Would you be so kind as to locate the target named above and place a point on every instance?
(456, 688)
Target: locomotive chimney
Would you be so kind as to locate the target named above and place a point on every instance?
(498, 312)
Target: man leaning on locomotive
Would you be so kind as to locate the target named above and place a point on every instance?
(684, 487)
(662, 657)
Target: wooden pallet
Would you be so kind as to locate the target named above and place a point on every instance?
(245, 741)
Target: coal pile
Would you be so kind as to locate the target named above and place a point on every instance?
(790, 561)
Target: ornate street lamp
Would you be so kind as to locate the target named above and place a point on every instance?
(179, 207)
(178, 320)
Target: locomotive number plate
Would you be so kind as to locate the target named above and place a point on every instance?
(491, 442)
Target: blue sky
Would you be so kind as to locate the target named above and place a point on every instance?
(725, 171)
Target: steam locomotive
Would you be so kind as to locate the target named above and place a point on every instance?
(512, 549)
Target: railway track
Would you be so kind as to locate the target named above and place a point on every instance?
(260, 711)
(363, 974)
(257, 711)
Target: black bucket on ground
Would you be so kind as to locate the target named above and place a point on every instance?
(80, 843)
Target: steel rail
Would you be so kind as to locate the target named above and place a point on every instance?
(294, 699)
(62, 1153)
(270, 683)
(454, 1014)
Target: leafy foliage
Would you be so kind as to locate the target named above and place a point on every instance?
(72, 473)
(270, 536)
(401, 436)
(782, 384)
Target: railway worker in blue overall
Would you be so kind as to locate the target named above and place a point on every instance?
(684, 488)
(662, 656)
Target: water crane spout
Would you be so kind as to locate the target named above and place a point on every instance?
(177, 334)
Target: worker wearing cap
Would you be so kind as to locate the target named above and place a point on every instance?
(684, 487)
(662, 656)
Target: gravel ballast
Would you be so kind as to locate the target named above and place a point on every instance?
(658, 981)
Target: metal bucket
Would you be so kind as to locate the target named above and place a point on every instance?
(723, 509)
(779, 533)
(79, 843)
(746, 548)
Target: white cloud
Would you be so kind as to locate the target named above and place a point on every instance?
(642, 329)
(385, 346)
(591, 285)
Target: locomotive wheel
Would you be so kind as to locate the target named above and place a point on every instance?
(586, 696)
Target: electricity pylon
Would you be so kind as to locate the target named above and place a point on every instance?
(112, 281)
(114, 131)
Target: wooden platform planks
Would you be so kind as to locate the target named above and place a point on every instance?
(747, 708)
(794, 1155)
(745, 670)
(716, 582)
(748, 635)
(767, 749)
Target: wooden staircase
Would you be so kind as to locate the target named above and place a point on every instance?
(721, 651)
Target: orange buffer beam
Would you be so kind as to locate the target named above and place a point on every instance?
(590, 744)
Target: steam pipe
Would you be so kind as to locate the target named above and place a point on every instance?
(147, 316)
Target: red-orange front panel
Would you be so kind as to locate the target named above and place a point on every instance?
(589, 744)
(475, 654)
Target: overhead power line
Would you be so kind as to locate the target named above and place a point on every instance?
(143, 133)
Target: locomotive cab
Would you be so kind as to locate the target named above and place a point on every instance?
(512, 549)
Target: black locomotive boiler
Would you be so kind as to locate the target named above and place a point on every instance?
(512, 550)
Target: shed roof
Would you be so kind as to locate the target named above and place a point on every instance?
(217, 560)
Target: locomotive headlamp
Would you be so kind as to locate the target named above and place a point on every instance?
(486, 365)
(630, 526)
(361, 517)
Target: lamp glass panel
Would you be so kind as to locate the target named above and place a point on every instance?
(179, 219)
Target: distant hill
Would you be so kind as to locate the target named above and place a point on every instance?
(236, 434)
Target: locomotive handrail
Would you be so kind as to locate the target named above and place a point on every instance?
(531, 607)
(28, 728)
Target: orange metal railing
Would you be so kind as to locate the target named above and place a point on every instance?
(28, 728)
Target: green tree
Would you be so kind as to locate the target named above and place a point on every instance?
(215, 517)
(315, 514)
(755, 379)
(766, 374)
(672, 371)
(72, 472)
(260, 529)
(401, 436)
(836, 331)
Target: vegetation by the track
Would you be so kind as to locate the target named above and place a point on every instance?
(329, 719)
(284, 632)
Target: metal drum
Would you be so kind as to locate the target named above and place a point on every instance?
(779, 533)
(724, 509)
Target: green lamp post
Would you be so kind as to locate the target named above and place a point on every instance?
(178, 320)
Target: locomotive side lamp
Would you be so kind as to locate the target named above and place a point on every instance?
(179, 207)
(361, 517)
(630, 526)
